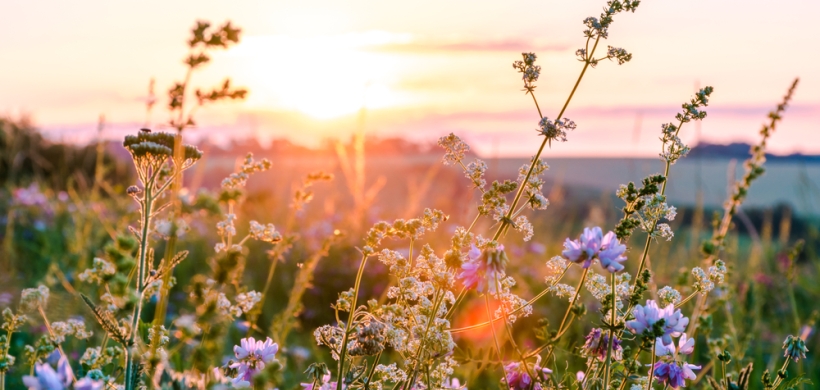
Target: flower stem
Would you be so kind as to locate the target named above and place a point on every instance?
(611, 334)
(561, 329)
(349, 323)
(541, 148)
(651, 367)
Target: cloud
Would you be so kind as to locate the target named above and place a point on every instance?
(508, 45)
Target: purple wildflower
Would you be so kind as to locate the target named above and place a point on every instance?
(518, 378)
(594, 244)
(325, 385)
(597, 343)
(252, 355)
(646, 317)
(612, 253)
(89, 384)
(46, 378)
(481, 271)
(670, 374)
(673, 371)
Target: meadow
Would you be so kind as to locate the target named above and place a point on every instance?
(384, 264)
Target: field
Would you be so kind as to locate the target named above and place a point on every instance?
(380, 263)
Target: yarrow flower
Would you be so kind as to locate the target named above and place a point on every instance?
(794, 348)
(252, 356)
(674, 323)
(597, 344)
(671, 371)
(455, 147)
(482, 270)
(529, 71)
(594, 244)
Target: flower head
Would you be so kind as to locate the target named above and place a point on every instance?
(597, 344)
(518, 378)
(674, 323)
(594, 244)
(252, 355)
(794, 348)
(46, 378)
(484, 270)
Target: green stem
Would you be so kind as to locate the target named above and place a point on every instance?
(438, 298)
(148, 204)
(651, 367)
(779, 380)
(541, 148)
(561, 329)
(349, 323)
(611, 334)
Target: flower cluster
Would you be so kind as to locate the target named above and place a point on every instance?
(597, 345)
(529, 71)
(249, 166)
(455, 148)
(705, 282)
(671, 370)
(652, 321)
(265, 233)
(252, 355)
(555, 130)
(593, 244)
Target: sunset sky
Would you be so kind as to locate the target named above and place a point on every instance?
(422, 69)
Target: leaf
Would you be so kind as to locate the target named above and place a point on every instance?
(796, 381)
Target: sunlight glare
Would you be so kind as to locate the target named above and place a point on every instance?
(323, 77)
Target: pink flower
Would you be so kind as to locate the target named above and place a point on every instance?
(483, 271)
(46, 378)
(252, 355)
(611, 254)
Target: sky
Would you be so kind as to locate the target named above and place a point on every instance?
(419, 69)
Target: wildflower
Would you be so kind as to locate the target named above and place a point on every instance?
(482, 270)
(72, 327)
(252, 355)
(795, 348)
(325, 384)
(46, 378)
(594, 244)
(671, 371)
(556, 130)
(523, 225)
(34, 298)
(668, 296)
(597, 344)
(100, 271)
(265, 233)
(518, 378)
(87, 383)
(455, 147)
(529, 71)
(475, 172)
(674, 323)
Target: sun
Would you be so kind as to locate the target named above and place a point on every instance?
(324, 77)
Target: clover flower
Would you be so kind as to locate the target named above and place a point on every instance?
(674, 323)
(252, 355)
(794, 348)
(594, 244)
(46, 378)
(597, 344)
(481, 270)
(672, 370)
(518, 378)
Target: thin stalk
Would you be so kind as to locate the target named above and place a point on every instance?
(628, 370)
(611, 334)
(59, 347)
(495, 337)
(268, 282)
(566, 315)
(779, 380)
(509, 330)
(651, 367)
(543, 144)
(438, 298)
(148, 204)
(343, 354)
